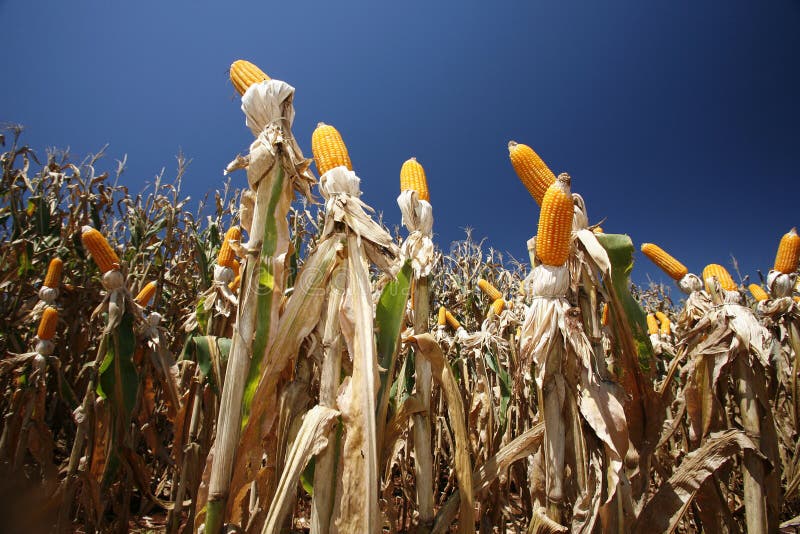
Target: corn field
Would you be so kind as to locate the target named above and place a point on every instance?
(280, 361)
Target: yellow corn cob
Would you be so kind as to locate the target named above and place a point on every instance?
(146, 294)
(674, 269)
(47, 324)
(498, 305)
(226, 255)
(451, 320)
(652, 324)
(788, 252)
(555, 223)
(666, 325)
(244, 74)
(796, 298)
(722, 275)
(598, 230)
(53, 277)
(535, 175)
(329, 149)
(102, 253)
(442, 318)
(236, 266)
(490, 291)
(758, 293)
(412, 178)
(234, 285)
(604, 316)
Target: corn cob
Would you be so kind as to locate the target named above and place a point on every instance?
(492, 292)
(672, 267)
(53, 277)
(451, 320)
(47, 324)
(555, 223)
(604, 316)
(758, 293)
(412, 178)
(652, 324)
(788, 252)
(146, 294)
(498, 305)
(236, 266)
(666, 325)
(722, 275)
(442, 318)
(535, 175)
(329, 149)
(102, 253)
(234, 285)
(244, 74)
(598, 230)
(226, 255)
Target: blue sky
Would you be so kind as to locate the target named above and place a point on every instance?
(678, 121)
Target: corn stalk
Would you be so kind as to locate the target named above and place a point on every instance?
(270, 172)
(418, 218)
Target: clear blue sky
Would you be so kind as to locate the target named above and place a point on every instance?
(678, 121)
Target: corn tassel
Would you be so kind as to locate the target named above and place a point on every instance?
(666, 325)
(492, 292)
(145, 295)
(788, 253)
(243, 74)
(53, 277)
(102, 253)
(672, 267)
(329, 149)
(555, 223)
(722, 275)
(227, 256)
(758, 293)
(47, 324)
(534, 174)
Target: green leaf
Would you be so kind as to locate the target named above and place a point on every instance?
(119, 380)
(25, 263)
(204, 350)
(202, 315)
(620, 251)
(307, 477)
(266, 285)
(505, 385)
(389, 315)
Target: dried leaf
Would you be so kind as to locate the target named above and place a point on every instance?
(665, 510)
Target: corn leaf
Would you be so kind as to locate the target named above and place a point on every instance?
(620, 251)
(389, 316)
(119, 381)
(664, 511)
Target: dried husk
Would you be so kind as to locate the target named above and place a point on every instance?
(667, 507)
(311, 439)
